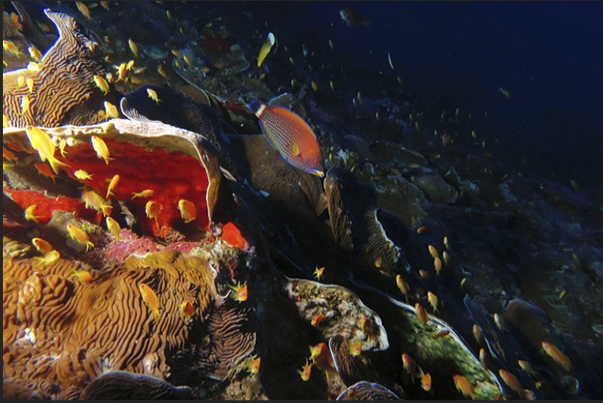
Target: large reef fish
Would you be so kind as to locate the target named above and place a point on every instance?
(288, 133)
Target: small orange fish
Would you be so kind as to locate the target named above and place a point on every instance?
(442, 334)
(187, 309)
(288, 133)
(321, 356)
(433, 300)
(188, 210)
(150, 299)
(144, 193)
(463, 386)
(79, 235)
(433, 251)
(240, 291)
(424, 275)
(425, 380)
(133, 47)
(112, 185)
(355, 348)
(30, 215)
(557, 355)
(423, 230)
(153, 95)
(500, 323)
(8, 154)
(317, 319)
(421, 314)
(402, 285)
(44, 169)
(306, 371)
(113, 227)
(153, 209)
(447, 244)
(446, 258)
(48, 258)
(101, 148)
(83, 9)
(82, 175)
(318, 273)
(254, 366)
(437, 265)
(511, 381)
(410, 366)
(96, 201)
(41, 245)
(477, 333)
(84, 277)
(42, 143)
(484, 358)
(527, 367)
(121, 71)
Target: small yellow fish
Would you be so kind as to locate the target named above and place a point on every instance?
(121, 71)
(101, 148)
(162, 71)
(111, 110)
(557, 355)
(188, 210)
(292, 61)
(446, 257)
(254, 366)
(402, 285)
(484, 358)
(130, 65)
(433, 300)
(144, 193)
(424, 275)
(425, 380)
(24, 104)
(306, 371)
(177, 53)
(318, 273)
(410, 366)
(150, 299)
(82, 175)
(360, 97)
(79, 235)
(331, 45)
(10, 47)
(42, 143)
(112, 185)
(153, 209)
(332, 85)
(267, 48)
(20, 81)
(29, 213)
(477, 333)
(105, 5)
(96, 201)
(153, 96)
(83, 9)
(511, 381)
(84, 277)
(500, 323)
(41, 245)
(48, 258)
(101, 83)
(113, 227)
(240, 291)
(437, 264)
(432, 251)
(355, 348)
(187, 309)
(447, 244)
(30, 84)
(316, 319)
(133, 47)
(527, 367)
(34, 53)
(314, 86)
(16, 21)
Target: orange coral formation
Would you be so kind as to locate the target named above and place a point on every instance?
(57, 331)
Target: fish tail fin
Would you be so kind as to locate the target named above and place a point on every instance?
(55, 164)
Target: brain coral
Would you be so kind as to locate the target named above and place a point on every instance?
(59, 335)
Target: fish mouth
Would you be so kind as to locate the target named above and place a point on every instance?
(318, 172)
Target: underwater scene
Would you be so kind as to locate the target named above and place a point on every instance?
(302, 200)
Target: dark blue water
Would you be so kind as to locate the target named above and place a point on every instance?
(548, 54)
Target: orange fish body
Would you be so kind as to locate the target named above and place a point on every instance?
(557, 355)
(402, 285)
(421, 314)
(84, 277)
(306, 371)
(241, 291)
(355, 348)
(463, 386)
(188, 210)
(317, 319)
(425, 380)
(288, 133)
(187, 309)
(41, 245)
(437, 265)
(254, 365)
(410, 366)
(432, 251)
(511, 381)
(150, 298)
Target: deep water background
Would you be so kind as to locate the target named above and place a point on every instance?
(548, 54)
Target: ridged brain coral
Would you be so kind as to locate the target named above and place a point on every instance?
(60, 335)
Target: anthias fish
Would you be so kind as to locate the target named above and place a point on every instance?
(288, 133)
